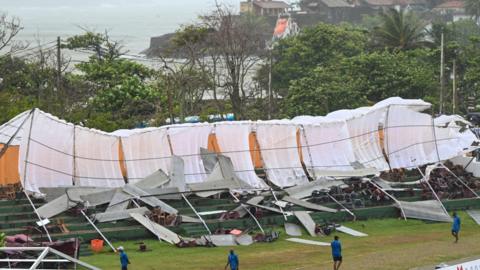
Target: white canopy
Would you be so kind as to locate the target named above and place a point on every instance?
(391, 134)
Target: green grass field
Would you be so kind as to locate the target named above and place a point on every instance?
(391, 244)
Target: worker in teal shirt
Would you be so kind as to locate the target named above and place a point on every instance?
(336, 253)
(123, 258)
(232, 261)
(456, 226)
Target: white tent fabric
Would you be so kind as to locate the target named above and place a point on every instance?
(407, 135)
(49, 161)
(327, 147)
(452, 139)
(97, 159)
(46, 156)
(233, 140)
(365, 139)
(186, 140)
(278, 145)
(8, 129)
(146, 153)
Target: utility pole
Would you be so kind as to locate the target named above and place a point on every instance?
(454, 93)
(270, 83)
(442, 81)
(59, 66)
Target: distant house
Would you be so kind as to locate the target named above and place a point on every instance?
(454, 9)
(334, 10)
(451, 7)
(263, 7)
(320, 6)
(385, 4)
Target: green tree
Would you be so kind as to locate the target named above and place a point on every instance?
(320, 45)
(123, 93)
(399, 30)
(473, 8)
(362, 80)
(101, 44)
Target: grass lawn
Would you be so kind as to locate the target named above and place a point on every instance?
(391, 244)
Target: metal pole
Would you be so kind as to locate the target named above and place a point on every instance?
(98, 230)
(458, 178)
(433, 191)
(346, 209)
(281, 209)
(196, 213)
(302, 130)
(38, 216)
(59, 65)
(27, 152)
(454, 94)
(5, 147)
(74, 159)
(270, 83)
(248, 211)
(442, 81)
(391, 197)
(40, 258)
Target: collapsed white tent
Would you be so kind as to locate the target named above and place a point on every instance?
(391, 134)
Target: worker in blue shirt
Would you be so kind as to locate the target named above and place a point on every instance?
(232, 261)
(455, 226)
(123, 258)
(336, 253)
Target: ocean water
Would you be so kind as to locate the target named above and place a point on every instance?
(132, 22)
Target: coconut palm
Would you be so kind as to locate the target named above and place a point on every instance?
(473, 8)
(399, 30)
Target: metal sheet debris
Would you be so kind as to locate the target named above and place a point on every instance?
(156, 179)
(119, 201)
(308, 242)
(427, 210)
(215, 212)
(152, 201)
(157, 229)
(70, 199)
(350, 231)
(306, 221)
(221, 177)
(293, 229)
(305, 190)
(99, 198)
(114, 216)
(188, 219)
(475, 215)
(222, 240)
(209, 159)
(244, 240)
(308, 205)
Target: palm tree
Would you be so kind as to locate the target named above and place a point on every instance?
(473, 8)
(399, 30)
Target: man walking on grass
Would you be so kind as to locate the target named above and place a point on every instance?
(336, 253)
(232, 261)
(123, 258)
(455, 226)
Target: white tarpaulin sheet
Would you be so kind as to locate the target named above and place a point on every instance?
(97, 159)
(342, 140)
(278, 145)
(186, 141)
(452, 139)
(319, 141)
(49, 161)
(233, 140)
(8, 129)
(146, 153)
(407, 135)
(366, 140)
